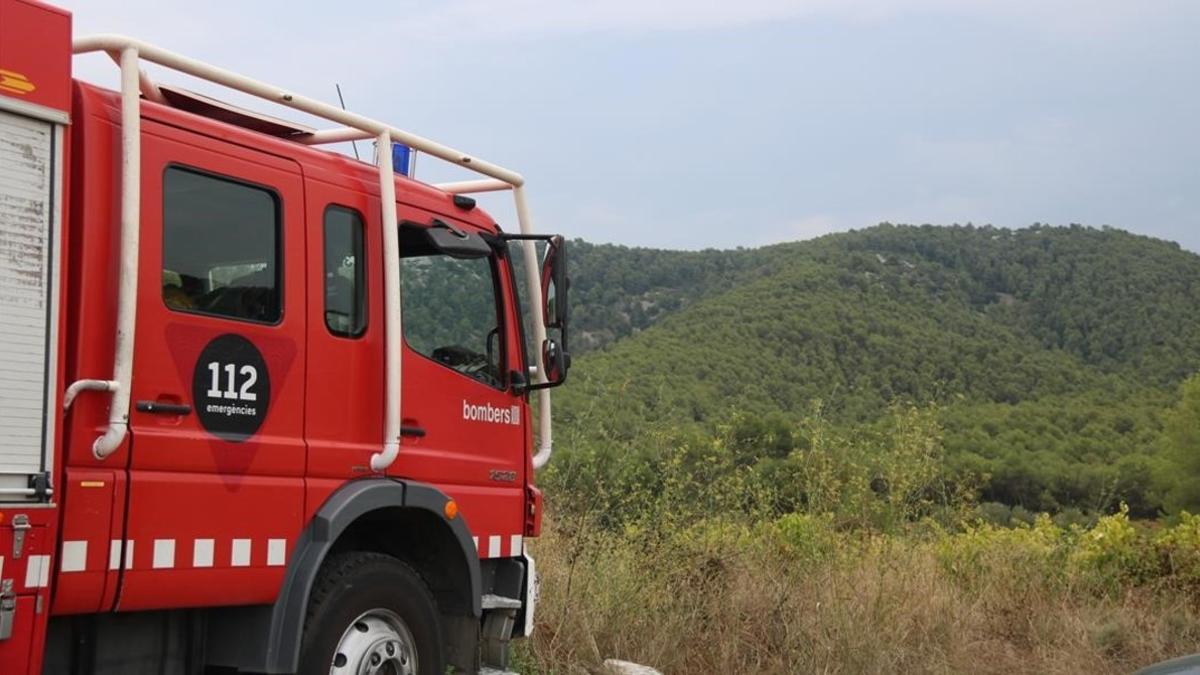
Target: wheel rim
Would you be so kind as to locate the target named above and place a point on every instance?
(376, 643)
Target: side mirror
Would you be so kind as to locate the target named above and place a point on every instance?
(554, 284)
(555, 310)
(557, 362)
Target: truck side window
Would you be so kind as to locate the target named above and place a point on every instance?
(220, 247)
(345, 273)
(450, 313)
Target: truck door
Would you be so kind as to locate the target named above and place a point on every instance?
(466, 428)
(345, 365)
(215, 472)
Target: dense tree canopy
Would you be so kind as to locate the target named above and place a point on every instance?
(1053, 354)
(1182, 448)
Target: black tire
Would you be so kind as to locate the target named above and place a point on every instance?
(353, 584)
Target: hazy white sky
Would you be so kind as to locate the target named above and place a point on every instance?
(688, 124)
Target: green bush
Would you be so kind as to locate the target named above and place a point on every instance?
(1113, 554)
(984, 551)
(1179, 549)
(806, 538)
(994, 513)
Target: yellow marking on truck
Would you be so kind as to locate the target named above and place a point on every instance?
(15, 82)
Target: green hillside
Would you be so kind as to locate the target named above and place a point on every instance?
(1117, 301)
(618, 291)
(1049, 352)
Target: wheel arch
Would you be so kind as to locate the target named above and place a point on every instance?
(354, 516)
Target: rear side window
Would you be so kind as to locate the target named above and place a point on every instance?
(220, 247)
(345, 273)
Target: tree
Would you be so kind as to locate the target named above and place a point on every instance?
(1181, 438)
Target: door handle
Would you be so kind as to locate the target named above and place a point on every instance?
(414, 431)
(161, 408)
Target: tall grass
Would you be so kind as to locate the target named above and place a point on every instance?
(856, 559)
(723, 599)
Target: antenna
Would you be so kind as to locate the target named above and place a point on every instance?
(343, 102)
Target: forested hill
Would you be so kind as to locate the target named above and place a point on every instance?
(1107, 296)
(1050, 351)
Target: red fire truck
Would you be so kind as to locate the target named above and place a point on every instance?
(263, 407)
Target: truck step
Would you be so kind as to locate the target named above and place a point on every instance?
(500, 602)
(493, 671)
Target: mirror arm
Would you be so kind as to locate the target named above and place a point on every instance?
(518, 382)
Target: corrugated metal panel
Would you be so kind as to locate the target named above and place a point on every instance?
(26, 166)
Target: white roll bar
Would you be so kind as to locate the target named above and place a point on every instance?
(127, 272)
(472, 186)
(354, 126)
(380, 461)
(79, 386)
(533, 280)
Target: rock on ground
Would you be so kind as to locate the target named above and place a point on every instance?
(617, 667)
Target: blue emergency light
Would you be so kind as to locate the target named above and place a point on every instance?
(401, 158)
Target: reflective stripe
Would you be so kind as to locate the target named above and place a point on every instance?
(202, 553)
(37, 571)
(74, 556)
(240, 557)
(276, 552)
(500, 545)
(164, 554)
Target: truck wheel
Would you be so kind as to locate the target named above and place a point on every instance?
(371, 613)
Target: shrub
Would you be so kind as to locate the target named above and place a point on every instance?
(1113, 554)
(1179, 549)
(994, 513)
(1073, 517)
(984, 552)
(807, 539)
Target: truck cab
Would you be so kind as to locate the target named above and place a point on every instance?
(269, 408)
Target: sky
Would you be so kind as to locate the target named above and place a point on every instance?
(694, 124)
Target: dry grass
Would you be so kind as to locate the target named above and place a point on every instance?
(689, 562)
(721, 598)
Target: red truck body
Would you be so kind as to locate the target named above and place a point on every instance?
(195, 528)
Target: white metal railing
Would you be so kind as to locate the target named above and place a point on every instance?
(128, 53)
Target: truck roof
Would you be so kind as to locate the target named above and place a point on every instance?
(314, 162)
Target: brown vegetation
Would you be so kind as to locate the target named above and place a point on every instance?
(861, 558)
(723, 599)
